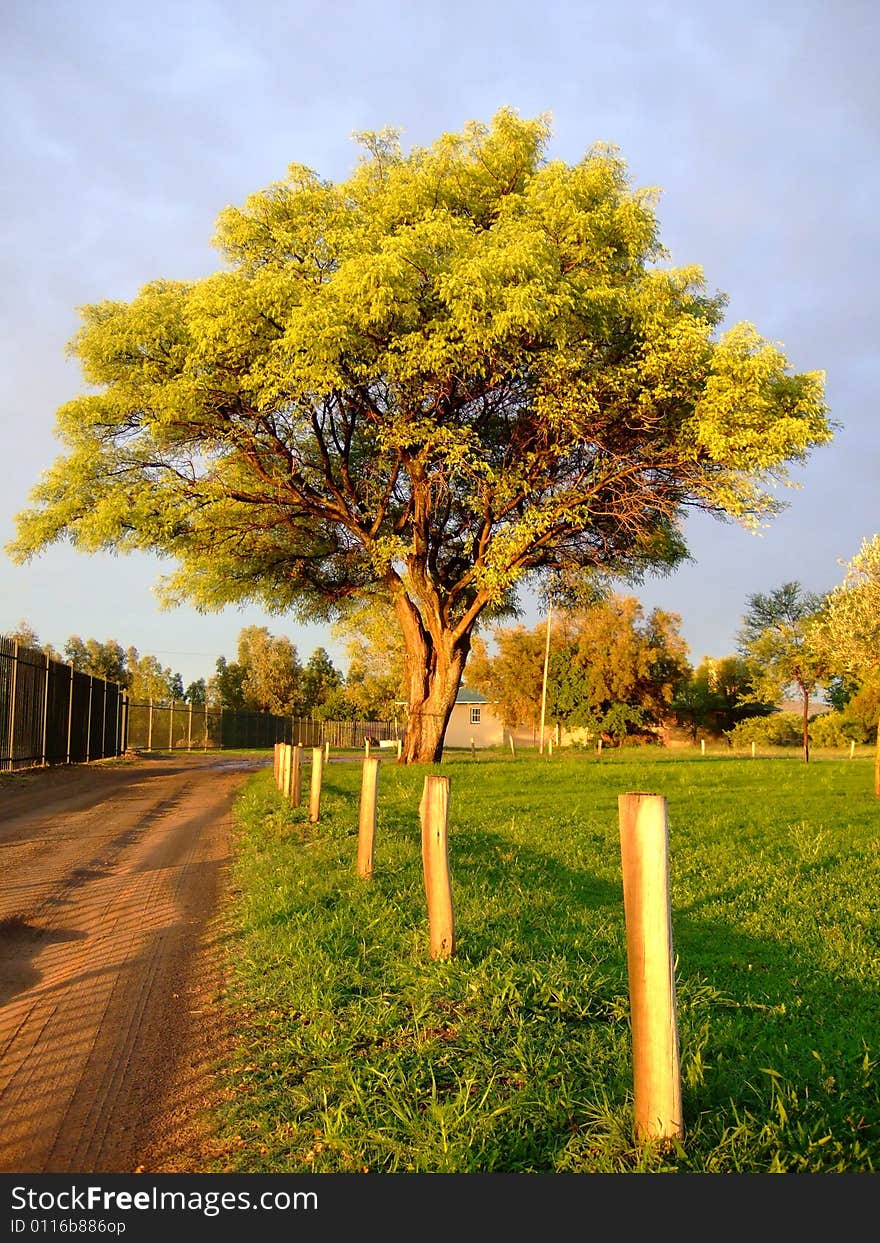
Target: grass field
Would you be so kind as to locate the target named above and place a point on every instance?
(354, 1051)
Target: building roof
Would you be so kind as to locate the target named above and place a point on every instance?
(467, 696)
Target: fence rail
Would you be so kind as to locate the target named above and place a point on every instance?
(51, 713)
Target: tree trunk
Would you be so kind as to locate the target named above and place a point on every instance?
(434, 666)
(877, 764)
(806, 695)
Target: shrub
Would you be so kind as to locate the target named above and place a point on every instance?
(834, 729)
(780, 729)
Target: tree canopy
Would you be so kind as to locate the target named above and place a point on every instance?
(464, 366)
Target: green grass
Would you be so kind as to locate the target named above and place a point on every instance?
(354, 1051)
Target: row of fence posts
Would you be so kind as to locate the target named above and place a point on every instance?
(644, 848)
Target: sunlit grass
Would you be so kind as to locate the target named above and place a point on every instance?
(354, 1051)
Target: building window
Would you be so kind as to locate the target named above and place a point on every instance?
(475, 716)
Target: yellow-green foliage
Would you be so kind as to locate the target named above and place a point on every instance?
(464, 364)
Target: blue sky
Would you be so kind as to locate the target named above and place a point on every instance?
(127, 128)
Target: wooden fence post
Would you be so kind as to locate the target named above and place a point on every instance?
(399, 748)
(644, 850)
(327, 751)
(189, 728)
(852, 747)
(150, 726)
(286, 765)
(295, 776)
(512, 747)
(702, 746)
(753, 749)
(275, 758)
(171, 727)
(433, 813)
(367, 817)
(473, 750)
(315, 792)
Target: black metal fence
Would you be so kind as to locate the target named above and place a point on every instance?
(52, 714)
(181, 726)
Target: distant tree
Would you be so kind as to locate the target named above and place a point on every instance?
(695, 704)
(225, 687)
(718, 695)
(25, 635)
(272, 679)
(511, 675)
(196, 693)
(149, 679)
(340, 705)
(839, 690)
(321, 680)
(623, 670)
(465, 367)
(612, 670)
(779, 636)
(375, 683)
(102, 660)
(76, 653)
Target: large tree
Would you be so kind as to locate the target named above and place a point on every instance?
(464, 367)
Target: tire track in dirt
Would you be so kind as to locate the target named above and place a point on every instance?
(111, 879)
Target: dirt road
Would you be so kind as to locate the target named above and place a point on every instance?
(111, 877)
